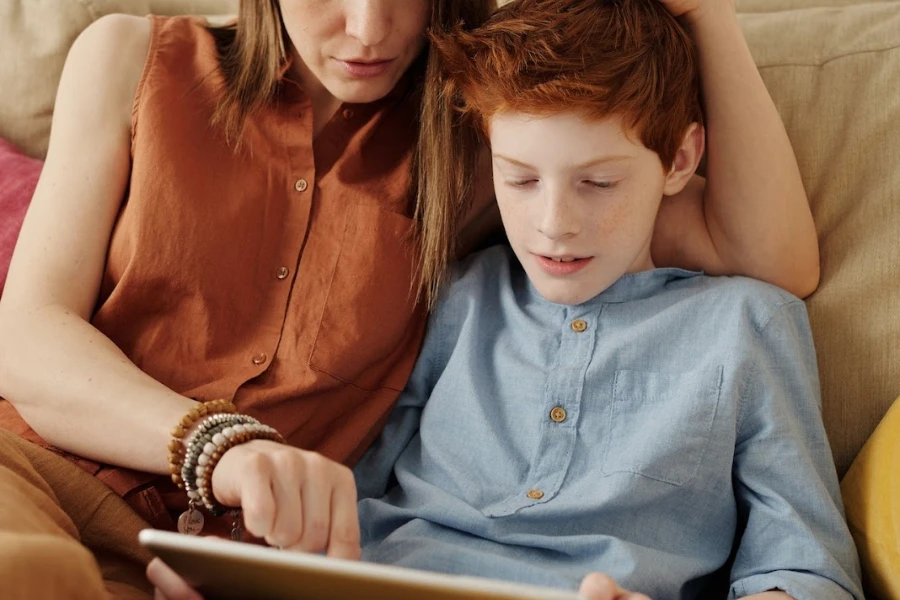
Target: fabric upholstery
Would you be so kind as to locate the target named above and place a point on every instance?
(35, 36)
(18, 178)
(833, 75)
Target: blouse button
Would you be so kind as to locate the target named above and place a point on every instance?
(348, 113)
(282, 272)
(579, 325)
(260, 358)
(301, 185)
(535, 494)
(558, 414)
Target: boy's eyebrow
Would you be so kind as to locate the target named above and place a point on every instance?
(584, 165)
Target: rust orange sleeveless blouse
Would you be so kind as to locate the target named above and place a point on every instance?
(279, 276)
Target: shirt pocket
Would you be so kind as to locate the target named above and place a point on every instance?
(660, 424)
(367, 335)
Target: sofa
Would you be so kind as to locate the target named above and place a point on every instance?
(833, 70)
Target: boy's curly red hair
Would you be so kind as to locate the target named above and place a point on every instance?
(629, 58)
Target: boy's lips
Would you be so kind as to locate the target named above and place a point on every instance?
(562, 265)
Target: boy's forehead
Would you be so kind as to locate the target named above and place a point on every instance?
(517, 134)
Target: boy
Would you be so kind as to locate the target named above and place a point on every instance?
(574, 409)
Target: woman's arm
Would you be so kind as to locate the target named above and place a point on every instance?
(67, 380)
(751, 216)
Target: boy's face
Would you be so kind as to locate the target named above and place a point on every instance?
(578, 199)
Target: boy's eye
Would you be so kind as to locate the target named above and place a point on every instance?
(600, 185)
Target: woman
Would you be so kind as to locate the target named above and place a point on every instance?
(239, 227)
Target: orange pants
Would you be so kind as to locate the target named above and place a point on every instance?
(63, 534)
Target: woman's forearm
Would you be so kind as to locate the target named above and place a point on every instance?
(755, 206)
(79, 392)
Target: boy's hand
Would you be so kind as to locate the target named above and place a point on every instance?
(293, 499)
(692, 9)
(597, 586)
(168, 585)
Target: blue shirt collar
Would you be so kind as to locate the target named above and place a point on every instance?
(631, 286)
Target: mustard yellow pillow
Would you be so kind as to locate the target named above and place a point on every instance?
(871, 491)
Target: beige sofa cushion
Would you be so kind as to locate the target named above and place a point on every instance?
(35, 36)
(834, 74)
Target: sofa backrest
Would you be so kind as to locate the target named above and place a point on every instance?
(35, 36)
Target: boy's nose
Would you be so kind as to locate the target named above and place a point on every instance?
(368, 21)
(558, 218)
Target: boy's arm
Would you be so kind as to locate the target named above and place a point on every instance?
(793, 534)
(751, 216)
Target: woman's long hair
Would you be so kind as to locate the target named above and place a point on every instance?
(252, 54)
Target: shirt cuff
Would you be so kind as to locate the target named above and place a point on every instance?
(800, 586)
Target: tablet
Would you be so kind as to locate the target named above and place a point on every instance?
(224, 569)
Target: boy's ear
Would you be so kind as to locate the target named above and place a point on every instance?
(687, 158)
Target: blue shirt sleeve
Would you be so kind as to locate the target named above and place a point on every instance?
(794, 536)
(373, 472)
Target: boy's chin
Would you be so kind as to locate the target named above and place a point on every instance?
(564, 294)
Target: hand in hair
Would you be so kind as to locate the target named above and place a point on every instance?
(694, 9)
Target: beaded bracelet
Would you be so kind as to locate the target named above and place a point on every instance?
(202, 436)
(176, 445)
(213, 451)
(191, 521)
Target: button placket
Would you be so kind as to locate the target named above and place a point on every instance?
(563, 393)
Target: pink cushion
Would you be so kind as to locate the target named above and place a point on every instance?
(18, 178)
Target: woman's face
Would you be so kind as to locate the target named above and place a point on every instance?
(354, 50)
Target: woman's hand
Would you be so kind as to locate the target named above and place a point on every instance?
(595, 586)
(293, 499)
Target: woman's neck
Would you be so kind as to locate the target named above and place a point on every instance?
(324, 104)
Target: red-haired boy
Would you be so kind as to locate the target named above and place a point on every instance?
(575, 409)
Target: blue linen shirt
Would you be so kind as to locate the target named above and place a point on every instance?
(645, 434)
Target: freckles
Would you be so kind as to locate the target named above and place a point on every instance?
(611, 221)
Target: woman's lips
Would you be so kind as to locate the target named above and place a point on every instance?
(365, 69)
(565, 267)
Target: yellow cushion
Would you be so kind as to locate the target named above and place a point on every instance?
(834, 74)
(871, 491)
(35, 36)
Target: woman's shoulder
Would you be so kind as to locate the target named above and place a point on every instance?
(107, 60)
(116, 54)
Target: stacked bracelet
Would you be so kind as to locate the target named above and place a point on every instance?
(215, 435)
(198, 440)
(176, 445)
(222, 440)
